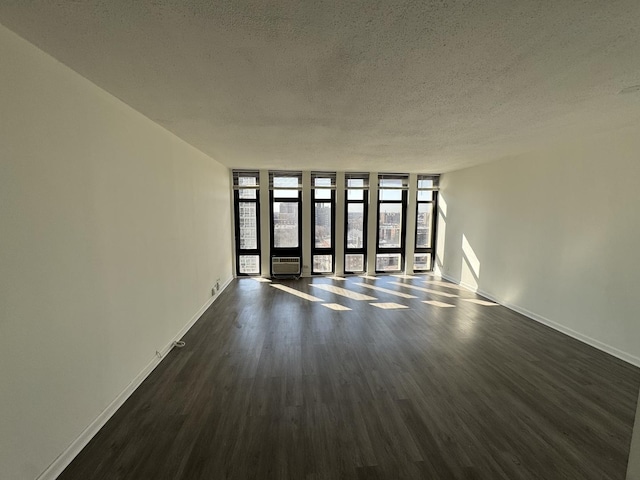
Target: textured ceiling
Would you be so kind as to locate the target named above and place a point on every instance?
(420, 86)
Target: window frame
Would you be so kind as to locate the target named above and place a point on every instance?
(434, 213)
(365, 213)
(285, 251)
(314, 202)
(236, 211)
(403, 224)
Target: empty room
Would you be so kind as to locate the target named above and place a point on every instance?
(319, 240)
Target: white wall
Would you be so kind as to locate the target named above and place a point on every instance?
(554, 234)
(113, 232)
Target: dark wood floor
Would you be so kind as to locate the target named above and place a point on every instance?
(273, 386)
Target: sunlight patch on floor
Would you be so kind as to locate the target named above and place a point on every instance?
(386, 290)
(335, 306)
(427, 290)
(342, 292)
(261, 279)
(481, 302)
(446, 284)
(297, 293)
(388, 305)
(436, 303)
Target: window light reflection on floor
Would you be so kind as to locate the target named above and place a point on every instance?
(445, 284)
(436, 303)
(335, 306)
(481, 302)
(297, 293)
(385, 290)
(388, 305)
(342, 292)
(427, 290)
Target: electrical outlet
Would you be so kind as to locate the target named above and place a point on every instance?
(213, 291)
(217, 286)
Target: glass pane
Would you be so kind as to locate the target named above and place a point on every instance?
(423, 224)
(249, 264)
(323, 225)
(422, 261)
(322, 263)
(322, 194)
(354, 263)
(247, 193)
(425, 183)
(388, 262)
(390, 194)
(285, 224)
(355, 194)
(425, 195)
(355, 225)
(247, 218)
(355, 182)
(390, 225)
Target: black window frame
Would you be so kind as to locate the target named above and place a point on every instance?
(365, 212)
(285, 251)
(314, 201)
(403, 237)
(236, 212)
(434, 212)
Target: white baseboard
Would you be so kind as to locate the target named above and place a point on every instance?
(627, 357)
(66, 457)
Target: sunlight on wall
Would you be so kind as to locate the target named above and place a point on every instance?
(470, 269)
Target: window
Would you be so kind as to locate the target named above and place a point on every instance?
(323, 198)
(392, 207)
(285, 197)
(246, 186)
(427, 197)
(355, 247)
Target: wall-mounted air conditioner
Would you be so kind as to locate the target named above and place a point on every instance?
(285, 265)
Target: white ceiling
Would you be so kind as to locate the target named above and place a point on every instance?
(417, 86)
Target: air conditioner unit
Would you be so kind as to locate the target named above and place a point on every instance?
(285, 265)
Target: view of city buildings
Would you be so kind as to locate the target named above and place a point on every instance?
(285, 224)
(390, 225)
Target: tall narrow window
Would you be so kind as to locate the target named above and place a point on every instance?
(285, 195)
(425, 222)
(323, 200)
(247, 221)
(392, 208)
(355, 246)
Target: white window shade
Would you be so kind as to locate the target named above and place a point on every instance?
(393, 181)
(246, 179)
